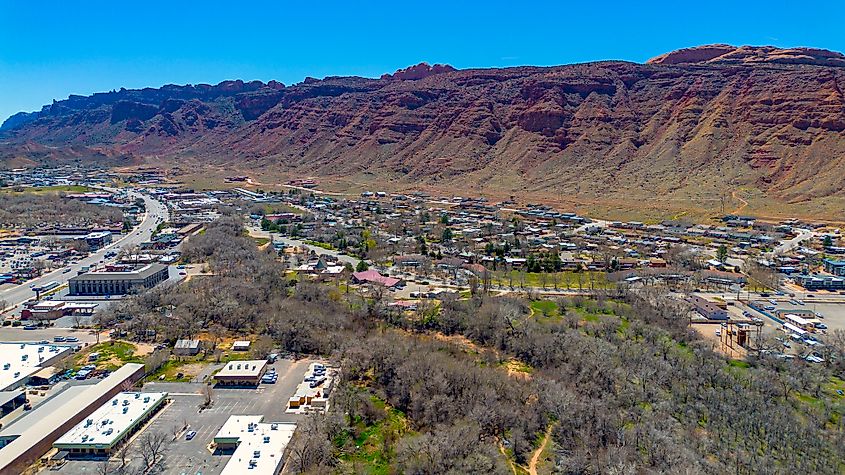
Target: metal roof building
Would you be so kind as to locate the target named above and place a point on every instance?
(38, 433)
(111, 423)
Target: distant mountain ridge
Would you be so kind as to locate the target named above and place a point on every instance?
(705, 120)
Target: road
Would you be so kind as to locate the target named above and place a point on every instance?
(156, 212)
(790, 244)
(257, 232)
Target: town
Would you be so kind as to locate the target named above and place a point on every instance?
(108, 366)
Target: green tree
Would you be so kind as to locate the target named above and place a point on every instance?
(722, 253)
(362, 266)
(828, 241)
(447, 235)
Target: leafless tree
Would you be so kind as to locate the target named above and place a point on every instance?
(151, 447)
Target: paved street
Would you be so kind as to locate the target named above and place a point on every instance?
(156, 212)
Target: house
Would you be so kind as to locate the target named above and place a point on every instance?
(187, 347)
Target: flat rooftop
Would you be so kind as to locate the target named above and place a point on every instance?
(18, 361)
(247, 368)
(107, 425)
(261, 447)
(235, 427)
(141, 273)
(30, 430)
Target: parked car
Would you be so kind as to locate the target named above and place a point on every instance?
(190, 434)
(72, 339)
(29, 327)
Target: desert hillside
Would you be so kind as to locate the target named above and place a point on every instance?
(754, 124)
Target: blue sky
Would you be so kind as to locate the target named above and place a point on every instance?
(51, 49)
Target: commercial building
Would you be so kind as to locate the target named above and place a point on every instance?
(835, 267)
(32, 435)
(118, 283)
(259, 447)
(708, 309)
(98, 239)
(112, 424)
(241, 373)
(820, 282)
(19, 361)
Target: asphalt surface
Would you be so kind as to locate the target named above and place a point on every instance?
(156, 211)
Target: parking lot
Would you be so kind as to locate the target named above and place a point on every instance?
(192, 456)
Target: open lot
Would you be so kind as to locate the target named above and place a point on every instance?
(193, 456)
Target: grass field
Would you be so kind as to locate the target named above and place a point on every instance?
(113, 354)
(565, 280)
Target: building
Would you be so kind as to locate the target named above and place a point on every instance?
(19, 361)
(241, 345)
(187, 347)
(708, 309)
(259, 447)
(835, 267)
(241, 373)
(31, 436)
(111, 424)
(118, 283)
(373, 276)
(820, 282)
(98, 239)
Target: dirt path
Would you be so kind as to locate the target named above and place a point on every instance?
(740, 207)
(535, 458)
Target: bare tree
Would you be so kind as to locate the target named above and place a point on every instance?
(151, 447)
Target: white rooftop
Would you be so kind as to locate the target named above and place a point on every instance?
(260, 451)
(20, 360)
(236, 426)
(106, 425)
(248, 368)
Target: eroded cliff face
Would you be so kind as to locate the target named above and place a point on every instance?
(704, 118)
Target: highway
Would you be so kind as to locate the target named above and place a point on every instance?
(156, 212)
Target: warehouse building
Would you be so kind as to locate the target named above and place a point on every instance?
(241, 373)
(19, 361)
(259, 447)
(118, 283)
(32, 435)
(112, 424)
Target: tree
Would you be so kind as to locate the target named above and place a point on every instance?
(151, 447)
(310, 448)
(446, 236)
(722, 253)
(3, 304)
(362, 266)
(828, 241)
